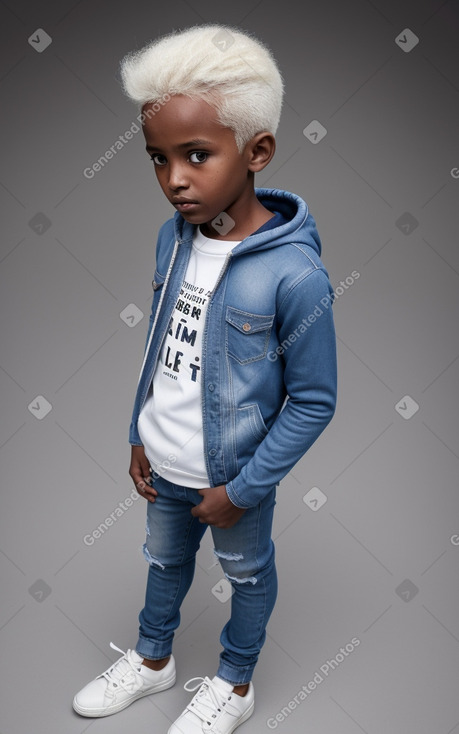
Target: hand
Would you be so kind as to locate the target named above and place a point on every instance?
(140, 472)
(216, 508)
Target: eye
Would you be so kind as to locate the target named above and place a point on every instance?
(158, 159)
(200, 156)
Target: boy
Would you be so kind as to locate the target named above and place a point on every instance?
(239, 373)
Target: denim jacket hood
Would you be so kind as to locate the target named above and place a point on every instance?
(268, 371)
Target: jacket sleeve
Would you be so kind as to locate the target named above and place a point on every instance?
(307, 346)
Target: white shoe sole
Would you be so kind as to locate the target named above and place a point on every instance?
(243, 718)
(246, 716)
(109, 710)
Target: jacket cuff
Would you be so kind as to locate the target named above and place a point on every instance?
(134, 438)
(234, 497)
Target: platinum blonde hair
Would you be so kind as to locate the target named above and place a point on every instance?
(232, 71)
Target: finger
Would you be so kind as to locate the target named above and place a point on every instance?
(141, 476)
(148, 479)
(198, 512)
(145, 468)
(145, 486)
(136, 473)
(144, 489)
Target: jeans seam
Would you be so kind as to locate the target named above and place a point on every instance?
(180, 563)
(190, 524)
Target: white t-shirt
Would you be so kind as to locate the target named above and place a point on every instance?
(170, 423)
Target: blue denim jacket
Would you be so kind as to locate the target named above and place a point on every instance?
(268, 371)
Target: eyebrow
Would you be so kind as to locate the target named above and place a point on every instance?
(188, 144)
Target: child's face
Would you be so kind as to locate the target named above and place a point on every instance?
(197, 162)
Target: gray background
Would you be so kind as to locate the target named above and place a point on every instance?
(378, 561)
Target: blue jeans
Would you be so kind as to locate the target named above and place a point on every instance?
(246, 554)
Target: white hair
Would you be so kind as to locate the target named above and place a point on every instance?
(232, 71)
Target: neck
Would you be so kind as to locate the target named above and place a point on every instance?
(248, 213)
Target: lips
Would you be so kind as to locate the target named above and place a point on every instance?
(184, 205)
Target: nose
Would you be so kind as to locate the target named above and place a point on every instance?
(178, 178)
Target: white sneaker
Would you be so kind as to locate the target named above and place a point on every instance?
(121, 684)
(215, 709)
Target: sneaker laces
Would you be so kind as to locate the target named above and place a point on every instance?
(209, 701)
(116, 673)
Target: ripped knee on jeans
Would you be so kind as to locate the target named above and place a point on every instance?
(231, 556)
(242, 579)
(151, 559)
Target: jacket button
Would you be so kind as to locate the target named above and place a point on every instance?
(211, 387)
(246, 327)
(213, 452)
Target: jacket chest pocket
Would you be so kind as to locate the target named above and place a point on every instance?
(247, 335)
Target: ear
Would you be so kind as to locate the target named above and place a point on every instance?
(260, 149)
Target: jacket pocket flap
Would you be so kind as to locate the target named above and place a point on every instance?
(248, 323)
